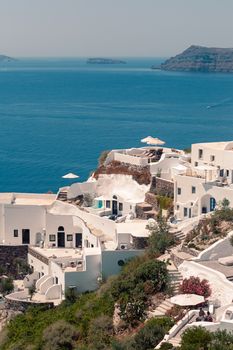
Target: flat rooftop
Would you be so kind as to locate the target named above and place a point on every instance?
(56, 253)
(217, 145)
(27, 198)
(137, 228)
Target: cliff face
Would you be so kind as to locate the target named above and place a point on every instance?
(201, 59)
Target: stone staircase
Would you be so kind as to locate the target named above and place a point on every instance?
(179, 234)
(162, 309)
(145, 211)
(175, 280)
(62, 196)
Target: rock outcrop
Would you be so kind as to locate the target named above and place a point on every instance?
(201, 59)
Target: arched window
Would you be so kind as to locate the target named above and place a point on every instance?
(61, 228)
(114, 197)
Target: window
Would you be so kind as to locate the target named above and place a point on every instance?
(121, 262)
(227, 172)
(185, 211)
(221, 173)
(193, 189)
(196, 163)
(61, 228)
(52, 238)
(177, 207)
(108, 204)
(212, 158)
(120, 206)
(16, 233)
(69, 238)
(178, 190)
(200, 153)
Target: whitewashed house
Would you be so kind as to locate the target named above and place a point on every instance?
(206, 181)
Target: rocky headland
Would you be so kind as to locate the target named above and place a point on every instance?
(4, 58)
(201, 59)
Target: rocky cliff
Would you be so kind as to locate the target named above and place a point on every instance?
(201, 59)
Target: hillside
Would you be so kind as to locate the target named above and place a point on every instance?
(201, 59)
(4, 58)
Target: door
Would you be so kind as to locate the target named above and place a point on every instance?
(25, 236)
(61, 239)
(212, 203)
(114, 207)
(78, 240)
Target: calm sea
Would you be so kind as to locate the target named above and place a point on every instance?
(57, 115)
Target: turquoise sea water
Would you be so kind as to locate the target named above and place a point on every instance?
(57, 115)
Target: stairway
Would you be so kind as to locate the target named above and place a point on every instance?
(162, 309)
(175, 280)
(179, 234)
(62, 196)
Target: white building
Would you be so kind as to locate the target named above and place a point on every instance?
(206, 181)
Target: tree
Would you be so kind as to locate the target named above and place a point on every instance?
(6, 285)
(193, 285)
(32, 290)
(160, 238)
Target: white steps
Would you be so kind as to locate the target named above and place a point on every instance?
(162, 309)
(175, 280)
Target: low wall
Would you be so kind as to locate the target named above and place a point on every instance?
(219, 249)
(22, 305)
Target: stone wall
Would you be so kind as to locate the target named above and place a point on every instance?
(162, 187)
(21, 305)
(8, 254)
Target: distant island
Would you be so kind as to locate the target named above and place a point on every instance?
(99, 60)
(4, 58)
(200, 59)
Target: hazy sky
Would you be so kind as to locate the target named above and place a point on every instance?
(112, 27)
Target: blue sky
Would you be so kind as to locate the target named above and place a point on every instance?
(112, 27)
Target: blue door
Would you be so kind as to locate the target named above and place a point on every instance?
(212, 203)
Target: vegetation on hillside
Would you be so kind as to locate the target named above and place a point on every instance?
(210, 229)
(85, 322)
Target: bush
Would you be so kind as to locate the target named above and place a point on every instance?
(194, 285)
(195, 338)
(152, 333)
(100, 332)
(60, 336)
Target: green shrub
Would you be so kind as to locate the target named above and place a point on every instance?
(100, 332)
(60, 336)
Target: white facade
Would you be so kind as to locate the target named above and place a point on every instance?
(206, 181)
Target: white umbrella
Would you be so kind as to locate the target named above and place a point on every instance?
(70, 176)
(146, 139)
(187, 299)
(155, 141)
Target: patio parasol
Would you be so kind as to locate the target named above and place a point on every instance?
(70, 176)
(187, 299)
